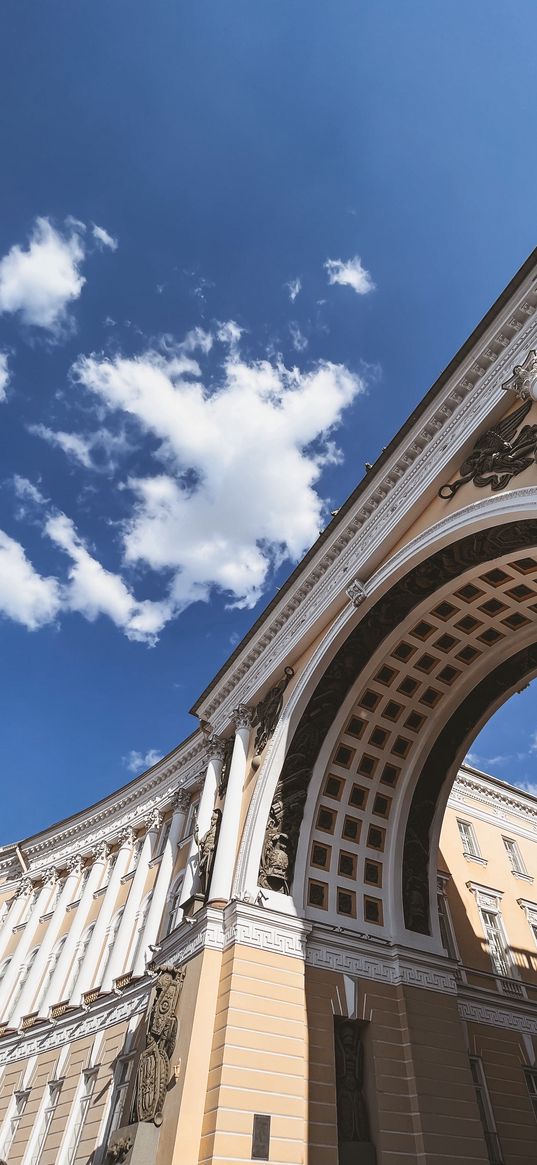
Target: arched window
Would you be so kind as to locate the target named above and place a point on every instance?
(23, 976)
(52, 964)
(112, 933)
(77, 962)
(138, 942)
(174, 909)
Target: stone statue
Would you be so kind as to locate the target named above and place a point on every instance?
(206, 849)
(161, 1033)
(274, 859)
(268, 710)
(116, 1153)
(352, 1118)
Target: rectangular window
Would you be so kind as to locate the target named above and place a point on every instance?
(89, 1079)
(468, 838)
(531, 1081)
(446, 930)
(53, 1096)
(497, 945)
(13, 1120)
(515, 856)
(485, 1111)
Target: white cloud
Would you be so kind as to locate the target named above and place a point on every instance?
(103, 238)
(298, 338)
(71, 443)
(294, 287)
(350, 273)
(236, 494)
(25, 596)
(4, 375)
(42, 281)
(98, 451)
(27, 491)
(92, 590)
(533, 742)
(137, 762)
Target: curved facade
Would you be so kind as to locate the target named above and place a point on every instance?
(264, 948)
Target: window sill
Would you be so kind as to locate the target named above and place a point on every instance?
(523, 877)
(475, 858)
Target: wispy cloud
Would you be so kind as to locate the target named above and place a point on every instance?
(350, 273)
(102, 237)
(42, 281)
(4, 375)
(298, 339)
(294, 287)
(137, 762)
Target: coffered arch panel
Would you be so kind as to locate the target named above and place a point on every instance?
(363, 783)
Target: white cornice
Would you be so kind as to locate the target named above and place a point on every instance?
(488, 792)
(472, 395)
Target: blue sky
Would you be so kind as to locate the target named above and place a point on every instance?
(186, 192)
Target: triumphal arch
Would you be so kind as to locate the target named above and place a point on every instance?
(286, 993)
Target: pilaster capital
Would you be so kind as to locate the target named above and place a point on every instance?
(243, 716)
(181, 800)
(50, 876)
(216, 748)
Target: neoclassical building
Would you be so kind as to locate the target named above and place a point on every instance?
(309, 934)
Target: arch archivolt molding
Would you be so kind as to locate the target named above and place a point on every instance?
(493, 517)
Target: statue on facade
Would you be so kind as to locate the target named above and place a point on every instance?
(206, 850)
(161, 1033)
(116, 1153)
(268, 711)
(274, 859)
(352, 1116)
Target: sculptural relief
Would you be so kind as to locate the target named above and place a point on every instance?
(161, 1033)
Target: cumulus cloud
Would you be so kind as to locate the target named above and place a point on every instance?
(294, 288)
(103, 238)
(92, 590)
(4, 375)
(350, 273)
(137, 762)
(42, 281)
(25, 596)
(235, 495)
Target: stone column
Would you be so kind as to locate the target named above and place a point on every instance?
(15, 913)
(224, 862)
(125, 933)
(217, 748)
(92, 957)
(159, 896)
(26, 999)
(40, 907)
(78, 925)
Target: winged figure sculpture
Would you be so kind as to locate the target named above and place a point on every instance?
(498, 455)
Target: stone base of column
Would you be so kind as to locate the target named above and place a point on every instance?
(133, 1145)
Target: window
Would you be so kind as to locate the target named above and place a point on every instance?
(112, 932)
(531, 1081)
(485, 1111)
(13, 1120)
(89, 1079)
(142, 917)
(497, 944)
(175, 909)
(122, 1077)
(446, 926)
(192, 814)
(47, 1114)
(469, 840)
(164, 834)
(515, 857)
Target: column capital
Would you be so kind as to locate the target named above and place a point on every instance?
(50, 876)
(26, 886)
(127, 836)
(243, 716)
(153, 820)
(216, 748)
(101, 852)
(181, 800)
(75, 864)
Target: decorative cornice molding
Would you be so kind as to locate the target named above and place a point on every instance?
(499, 1017)
(487, 792)
(67, 1030)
